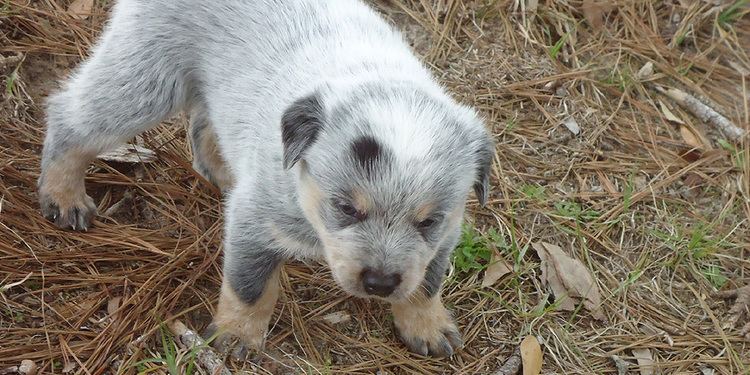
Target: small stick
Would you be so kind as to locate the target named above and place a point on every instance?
(704, 112)
(206, 357)
(511, 365)
(17, 283)
(115, 207)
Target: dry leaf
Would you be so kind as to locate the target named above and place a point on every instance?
(337, 317)
(497, 269)
(645, 72)
(129, 154)
(570, 280)
(691, 155)
(80, 9)
(27, 367)
(690, 138)
(531, 356)
(572, 125)
(645, 361)
(551, 278)
(669, 115)
(113, 305)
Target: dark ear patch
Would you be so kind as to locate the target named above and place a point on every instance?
(300, 125)
(366, 151)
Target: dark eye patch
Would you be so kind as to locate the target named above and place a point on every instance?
(351, 211)
(346, 214)
(427, 226)
(426, 223)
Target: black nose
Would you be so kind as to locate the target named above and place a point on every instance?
(379, 284)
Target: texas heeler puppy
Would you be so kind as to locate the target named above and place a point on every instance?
(331, 140)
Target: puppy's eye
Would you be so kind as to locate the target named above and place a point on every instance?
(349, 210)
(426, 223)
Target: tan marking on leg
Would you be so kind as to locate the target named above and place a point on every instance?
(425, 325)
(62, 179)
(62, 190)
(421, 317)
(249, 322)
(210, 157)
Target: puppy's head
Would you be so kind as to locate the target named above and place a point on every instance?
(383, 177)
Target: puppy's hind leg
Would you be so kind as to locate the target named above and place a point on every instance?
(129, 84)
(207, 159)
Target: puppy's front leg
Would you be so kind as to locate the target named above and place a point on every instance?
(248, 295)
(423, 323)
(426, 326)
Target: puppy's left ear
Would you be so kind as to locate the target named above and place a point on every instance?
(484, 152)
(300, 125)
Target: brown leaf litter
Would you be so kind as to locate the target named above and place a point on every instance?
(740, 309)
(531, 356)
(569, 279)
(495, 271)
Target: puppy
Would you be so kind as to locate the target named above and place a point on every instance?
(330, 139)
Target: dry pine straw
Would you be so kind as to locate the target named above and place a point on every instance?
(659, 225)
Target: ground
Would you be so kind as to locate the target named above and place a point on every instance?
(649, 200)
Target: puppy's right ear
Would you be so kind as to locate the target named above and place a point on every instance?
(300, 125)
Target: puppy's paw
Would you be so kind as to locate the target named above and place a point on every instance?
(240, 346)
(75, 211)
(427, 328)
(62, 192)
(240, 328)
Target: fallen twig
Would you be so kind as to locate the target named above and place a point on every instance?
(205, 356)
(129, 153)
(511, 365)
(17, 283)
(115, 207)
(704, 112)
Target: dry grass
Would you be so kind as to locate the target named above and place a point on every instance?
(662, 226)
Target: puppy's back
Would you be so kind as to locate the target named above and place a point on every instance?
(248, 60)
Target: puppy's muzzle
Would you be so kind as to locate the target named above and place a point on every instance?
(378, 283)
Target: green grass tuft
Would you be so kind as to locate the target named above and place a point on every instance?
(733, 13)
(472, 253)
(555, 50)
